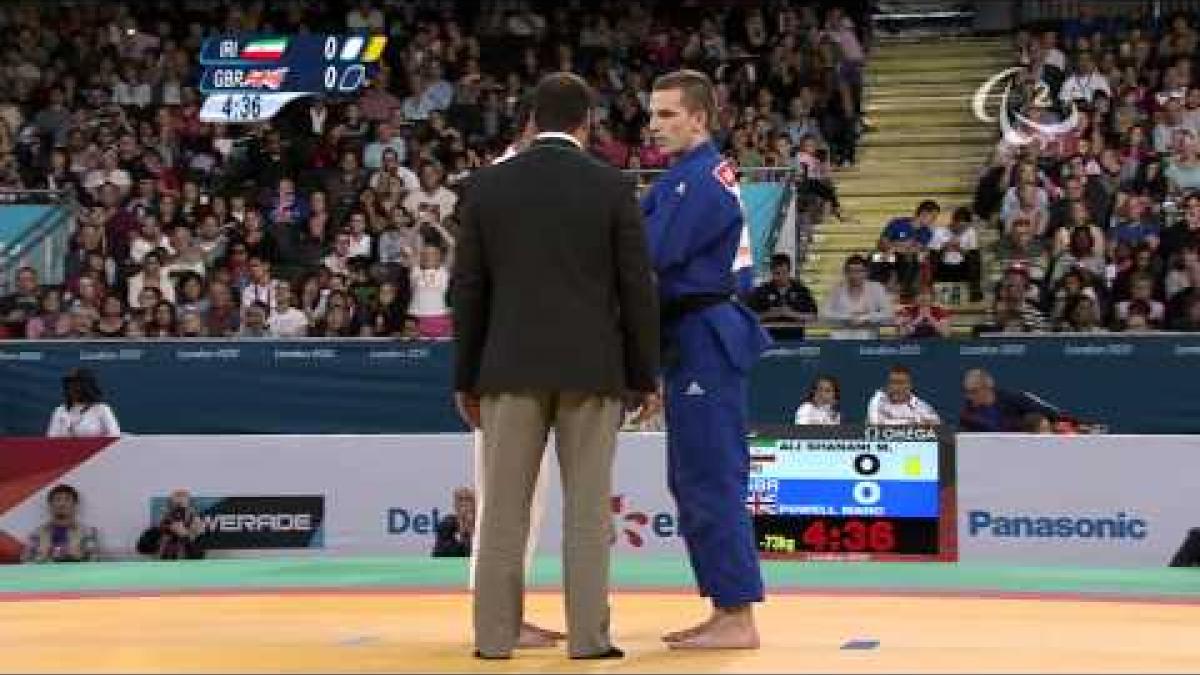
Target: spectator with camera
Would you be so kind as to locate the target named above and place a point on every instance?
(455, 531)
(178, 533)
(62, 538)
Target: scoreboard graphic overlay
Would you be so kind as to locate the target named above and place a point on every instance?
(249, 78)
(853, 493)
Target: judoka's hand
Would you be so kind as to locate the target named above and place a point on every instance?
(651, 406)
(468, 408)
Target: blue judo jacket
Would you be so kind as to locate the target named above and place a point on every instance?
(700, 244)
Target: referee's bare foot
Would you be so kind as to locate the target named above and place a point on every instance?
(731, 629)
(534, 637)
(676, 636)
(552, 634)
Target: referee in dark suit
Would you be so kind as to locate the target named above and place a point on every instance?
(556, 318)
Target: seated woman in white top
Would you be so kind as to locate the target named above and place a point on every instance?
(83, 412)
(821, 404)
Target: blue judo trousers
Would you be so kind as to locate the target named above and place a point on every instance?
(696, 230)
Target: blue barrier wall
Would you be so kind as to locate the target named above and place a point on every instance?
(1144, 385)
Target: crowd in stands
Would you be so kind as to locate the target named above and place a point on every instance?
(337, 218)
(1087, 217)
(1098, 216)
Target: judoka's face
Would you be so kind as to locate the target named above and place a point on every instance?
(673, 127)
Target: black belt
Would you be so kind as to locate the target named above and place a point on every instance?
(676, 308)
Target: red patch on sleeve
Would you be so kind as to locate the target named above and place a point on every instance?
(727, 174)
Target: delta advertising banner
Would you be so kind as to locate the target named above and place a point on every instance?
(1083, 501)
(300, 495)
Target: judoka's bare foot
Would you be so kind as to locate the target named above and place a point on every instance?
(731, 629)
(686, 633)
(552, 634)
(531, 637)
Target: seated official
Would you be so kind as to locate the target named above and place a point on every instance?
(821, 406)
(988, 409)
(897, 405)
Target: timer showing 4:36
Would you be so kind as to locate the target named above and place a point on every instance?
(801, 535)
(852, 536)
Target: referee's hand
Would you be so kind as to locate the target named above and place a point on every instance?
(468, 408)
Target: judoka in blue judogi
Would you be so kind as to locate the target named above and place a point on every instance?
(700, 247)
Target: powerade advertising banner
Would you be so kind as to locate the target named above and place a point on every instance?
(1083, 501)
(288, 521)
(302, 495)
(376, 386)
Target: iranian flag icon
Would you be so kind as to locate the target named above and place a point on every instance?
(268, 49)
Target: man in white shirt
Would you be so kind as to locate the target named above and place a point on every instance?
(956, 252)
(286, 321)
(110, 171)
(897, 405)
(360, 240)
(432, 195)
(1085, 81)
(364, 17)
(150, 238)
(857, 302)
(1051, 54)
(260, 287)
(338, 260)
(385, 137)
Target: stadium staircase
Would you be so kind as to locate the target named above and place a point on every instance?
(925, 144)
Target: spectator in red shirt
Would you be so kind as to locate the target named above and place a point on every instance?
(921, 317)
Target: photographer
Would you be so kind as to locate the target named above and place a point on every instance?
(177, 535)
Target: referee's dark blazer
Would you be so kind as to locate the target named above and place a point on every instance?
(552, 288)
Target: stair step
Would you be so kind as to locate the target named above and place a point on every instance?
(944, 47)
(959, 115)
(904, 103)
(920, 151)
(926, 144)
(940, 136)
(903, 203)
(917, 191)
(973, 77)
(902, 63)
(885, 90)
(883, 166)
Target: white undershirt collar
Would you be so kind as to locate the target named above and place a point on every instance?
(559, 135)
